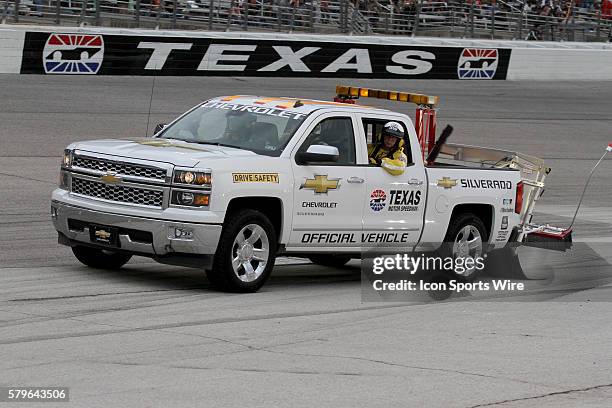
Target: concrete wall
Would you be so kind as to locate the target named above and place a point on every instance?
(528, 60)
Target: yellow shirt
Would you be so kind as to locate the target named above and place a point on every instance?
(393, 161)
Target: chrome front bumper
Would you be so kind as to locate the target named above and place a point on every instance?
(139, 235)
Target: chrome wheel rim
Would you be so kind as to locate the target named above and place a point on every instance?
(468, 244)
(250, 253)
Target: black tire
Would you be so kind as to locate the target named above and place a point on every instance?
(335, 261)
(222, 274)
(100, 258)
(456, 227)
(441, 294)
(504, 263)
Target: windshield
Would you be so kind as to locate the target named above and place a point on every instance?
(257, 128)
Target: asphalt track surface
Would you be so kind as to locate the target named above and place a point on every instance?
(158, 336)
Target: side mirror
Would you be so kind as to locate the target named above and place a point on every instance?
(318, 154)
(159, 128)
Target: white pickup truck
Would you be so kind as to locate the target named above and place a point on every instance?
(238, 180)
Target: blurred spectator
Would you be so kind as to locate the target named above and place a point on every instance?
(316, 10)
(155, 7)
(39, 7)
(606, 9)
(325, 11)
(235, 12)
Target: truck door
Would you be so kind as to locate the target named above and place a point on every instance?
(394, 207)
(329, 196)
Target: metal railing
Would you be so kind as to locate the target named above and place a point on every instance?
(498, 20)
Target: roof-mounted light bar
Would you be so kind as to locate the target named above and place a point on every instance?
(351, 92)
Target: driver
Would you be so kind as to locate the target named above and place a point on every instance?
(239, 126)
(388, 153)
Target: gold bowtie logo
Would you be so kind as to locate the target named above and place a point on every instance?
(103, 234)
(320, 184)
(447, 182)
(110, 179)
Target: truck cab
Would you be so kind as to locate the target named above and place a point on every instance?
(349, 205)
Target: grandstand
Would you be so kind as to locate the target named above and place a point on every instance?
(552, 20)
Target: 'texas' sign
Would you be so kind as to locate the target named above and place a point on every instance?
(146, 55)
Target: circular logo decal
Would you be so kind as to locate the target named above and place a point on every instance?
(378, 200)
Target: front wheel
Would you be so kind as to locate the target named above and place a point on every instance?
(100, 258)
(246, 253)
(465, 240)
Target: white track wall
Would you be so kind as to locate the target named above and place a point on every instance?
(11, 49)
(560, 64)
(528, 60)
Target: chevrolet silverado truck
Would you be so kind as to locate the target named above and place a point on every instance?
(238, 180)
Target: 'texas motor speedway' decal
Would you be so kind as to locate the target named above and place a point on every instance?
(73, 54)
(399, 200)
(165, 55)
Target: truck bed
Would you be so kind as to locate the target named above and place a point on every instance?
(533, 169)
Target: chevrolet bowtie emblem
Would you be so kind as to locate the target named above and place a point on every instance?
(320, 184)
(447, 182)
(103, 234)
(110, 178)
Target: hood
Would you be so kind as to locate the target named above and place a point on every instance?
(176, 152)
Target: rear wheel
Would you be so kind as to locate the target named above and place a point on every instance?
(246, 253)
(465, 238)
(505, 263)
(100, 258)
(335, 261)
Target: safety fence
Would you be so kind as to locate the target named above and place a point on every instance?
(228, 15)
(499, 20)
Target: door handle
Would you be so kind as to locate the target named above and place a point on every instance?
(355, 179)
(415, 182)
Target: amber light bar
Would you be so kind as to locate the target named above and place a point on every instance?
(351, 92)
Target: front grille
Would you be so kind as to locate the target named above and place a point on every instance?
(119, 168)
(120, 194)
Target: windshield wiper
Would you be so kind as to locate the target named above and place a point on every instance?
(208, 143)
(220, 144)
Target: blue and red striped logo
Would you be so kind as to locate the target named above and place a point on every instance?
(378, 200)
(73, 54)
(477, 63)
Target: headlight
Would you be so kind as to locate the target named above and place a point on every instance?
(192, 178)
(190, 198)
(67, 159)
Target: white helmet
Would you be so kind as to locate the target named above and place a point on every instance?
(394, 129)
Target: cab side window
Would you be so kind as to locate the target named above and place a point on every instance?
(337, 132)
(373, 132)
